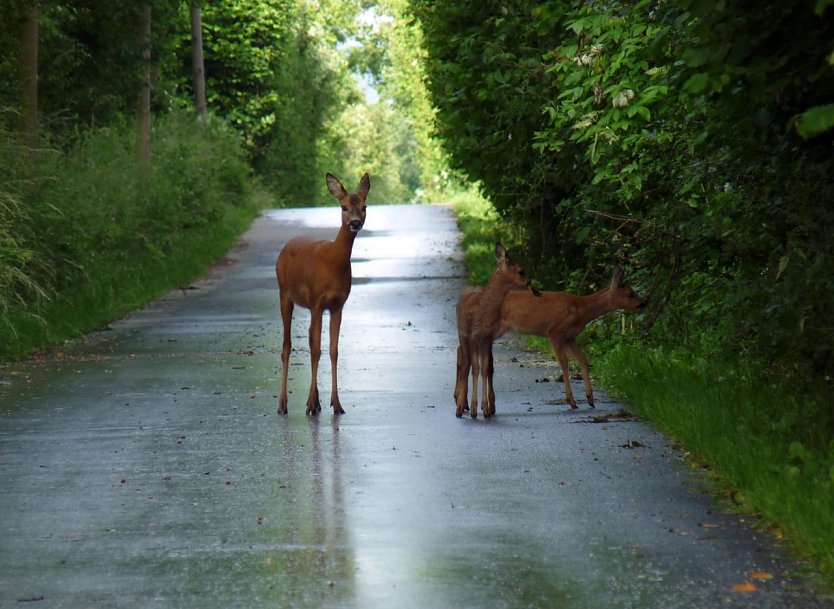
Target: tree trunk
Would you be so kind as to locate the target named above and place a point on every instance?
(29, 73)
(199, 72)
(144, 115)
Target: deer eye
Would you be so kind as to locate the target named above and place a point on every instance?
(344, 207)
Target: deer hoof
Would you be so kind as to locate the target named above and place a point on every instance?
(573, 406)
(337, 409)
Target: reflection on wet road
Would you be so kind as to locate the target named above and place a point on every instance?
(147, 467)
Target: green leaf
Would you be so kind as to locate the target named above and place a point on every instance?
(783, 264)
(582, 235)
(821, 5)
(697, 82)
(641, 110)
(815, 121)
(695, 58)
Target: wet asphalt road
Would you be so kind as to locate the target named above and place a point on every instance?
(146, 465)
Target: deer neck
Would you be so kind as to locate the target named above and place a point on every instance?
(344, 241)
(596, 305)
(492, 297)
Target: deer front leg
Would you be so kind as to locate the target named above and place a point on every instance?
(286, 317)
(559, 350)
(573, 348)
(461, 379)
(313, 404)
(335, 324)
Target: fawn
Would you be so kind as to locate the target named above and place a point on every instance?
(560, 317)
(478, 317)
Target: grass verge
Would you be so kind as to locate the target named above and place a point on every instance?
(90, 235)
(762, 441)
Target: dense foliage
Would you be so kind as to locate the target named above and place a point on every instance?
(686, 139)
(87, 235)
(87, 229)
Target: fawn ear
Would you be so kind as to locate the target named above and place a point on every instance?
(501, 256)
(617, 279)
(335, 186)
(364, 186)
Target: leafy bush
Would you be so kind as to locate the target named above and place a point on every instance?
(659, 136)
(19, 263)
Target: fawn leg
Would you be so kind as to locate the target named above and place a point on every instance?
(476, 372)
(485, 382)
(559, 350)
(461, 379)
(490, 367)
(573, 348)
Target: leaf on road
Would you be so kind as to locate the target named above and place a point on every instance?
(761, 576)
(744, 587)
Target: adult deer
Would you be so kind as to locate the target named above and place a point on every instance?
(560, 317)
(316, 275)
(478, 317)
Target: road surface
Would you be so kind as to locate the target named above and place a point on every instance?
(146, 466)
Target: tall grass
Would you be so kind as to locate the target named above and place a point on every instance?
(764, 440)
(92, 234)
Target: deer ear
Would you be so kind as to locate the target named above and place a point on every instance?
(617, 279)
(500, 254)
(335, 186)
(364, 186)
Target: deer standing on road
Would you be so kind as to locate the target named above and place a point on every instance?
(478, 317)
(560, 317)
(316, 275)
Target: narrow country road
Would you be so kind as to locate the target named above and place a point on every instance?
(146, 466)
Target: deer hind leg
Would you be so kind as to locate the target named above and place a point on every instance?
(559, 350)
(335, 324)
(313, 404)
(485, 357)
(462, 379)
(573, 348)
(490, 371)
(287, 306)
